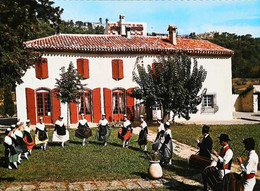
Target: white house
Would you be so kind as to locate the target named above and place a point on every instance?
(107, 62)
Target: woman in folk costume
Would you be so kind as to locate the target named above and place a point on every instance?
(142, 139)
(166, 148)
(125, 132)
(103, 131)
(18, 149)
(11, 155)
(83, 131)
(160, 132)
(20, 141)
(28, 138)
(60, 133)
(41, 135)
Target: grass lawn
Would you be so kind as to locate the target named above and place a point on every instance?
(188, 133)
(94, 161)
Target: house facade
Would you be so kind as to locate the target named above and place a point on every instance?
(106, 63)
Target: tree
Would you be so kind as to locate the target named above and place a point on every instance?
(8, 101)
(68, 87)
(174, 83)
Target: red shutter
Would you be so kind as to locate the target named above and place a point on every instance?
(73, 112)
(38, 70)
(80, 66)
(30, 103)
(130, 104)
(85, 68)
(115, 69)
(153, 68)
(121, 69)
(108, 103)
(44, 69)
(96, 105)
(55, 107)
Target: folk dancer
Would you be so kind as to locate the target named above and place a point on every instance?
(103, 131)
(11, 156)
(60, 133)
(125, 132)
(28, 138)
(83, 131)
(18, 149)
(215, 173)
(20, 141)
(166, 147)
(142, 139)
(160, 132)
(41, 135)
(249, 166)
(206, 144)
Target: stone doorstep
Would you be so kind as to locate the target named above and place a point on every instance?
(52, 186)
(89, 186)
(131, 184)
(75, 186)
(14, 188)
(28, 187)
(109, 185)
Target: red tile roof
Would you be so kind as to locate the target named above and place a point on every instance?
(120, 44)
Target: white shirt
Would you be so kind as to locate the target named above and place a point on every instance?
(103, 122)
(126, 123)
(250, 164)
(40, 126)
(83, 121)
(8, 140)
(161, 127)
(143, 125)
(227, 157)
(13, 135)
(18, 133)
(60, 123)
(27, 129)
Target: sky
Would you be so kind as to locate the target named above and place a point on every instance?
(199, 16)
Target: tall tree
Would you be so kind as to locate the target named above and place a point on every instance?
(174, 83)
(69, 87)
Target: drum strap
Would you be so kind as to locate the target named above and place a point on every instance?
(249, 176)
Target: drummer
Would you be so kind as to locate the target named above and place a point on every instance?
(206, 144)
(249, 166)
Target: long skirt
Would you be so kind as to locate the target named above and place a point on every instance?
(156, 144)
(37, 141)
(13, 158)
(103, 133)
(60, 138)
(83, 133)
(167, 150)
(29, 145)
(142, 139)
(124, 134)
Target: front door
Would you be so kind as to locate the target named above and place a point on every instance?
(85, 105)
(44, 105)
(118, 104)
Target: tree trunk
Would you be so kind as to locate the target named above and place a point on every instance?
(68, 115)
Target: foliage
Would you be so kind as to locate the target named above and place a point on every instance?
(19, 21)
(174, 84)
(8, 101)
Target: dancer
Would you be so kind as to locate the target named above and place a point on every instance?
(60, 133)
(28, 138)
(160, 132)
(125, 132)
(18, 149)
(249, 166)
(11, 156)
(83, 131)
(166, 148)
(20, 141)
(142, 139)
(41, 135)
(103, 131)
(206, 144)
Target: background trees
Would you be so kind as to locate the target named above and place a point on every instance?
(173, 82)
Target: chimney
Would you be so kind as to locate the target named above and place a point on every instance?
(122, 24)
(172, 34)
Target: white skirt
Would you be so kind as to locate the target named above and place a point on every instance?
(60, 138)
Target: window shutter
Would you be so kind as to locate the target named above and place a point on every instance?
(80, 66)
(130, 104)
(117, 69)
(73, 112)
(55, 107)
(30, 103)
(38, 69)
(154, 65)
(108, 103)
(121, 69)
(85, 68)
(114, 69)
(96, 105)
(44, 68)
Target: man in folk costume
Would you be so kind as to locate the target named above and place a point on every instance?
(220, 168)
(125, 132)
(103, 131)
(18, 149)
(11, 156)
(19, 138)
(83, 131)
(160, 132)
(28, 139)
(41, 135)
(142, 139)
(249, 166)
(60, 133)
(206, 144)
(166, 147)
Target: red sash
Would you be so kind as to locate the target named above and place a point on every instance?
(249, 176)
(222, 154)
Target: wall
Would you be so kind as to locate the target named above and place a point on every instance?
(245, 103)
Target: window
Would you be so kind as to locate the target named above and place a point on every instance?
(85, 103)
(117, 69)
(118, 102)
(209, 104)
(83, 67)
(41, 68)
(207, 101)
(44, 105)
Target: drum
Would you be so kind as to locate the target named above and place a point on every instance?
(199, 162)
(126, 136)
(231, 182)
